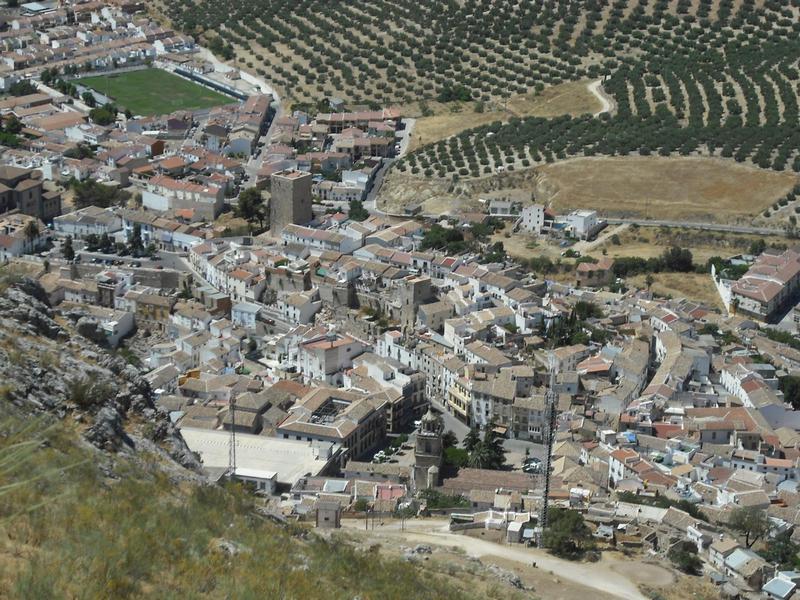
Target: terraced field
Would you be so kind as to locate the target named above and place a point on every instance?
(398, 51)
(688, 77)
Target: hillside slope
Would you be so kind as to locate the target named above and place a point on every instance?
(94, 502)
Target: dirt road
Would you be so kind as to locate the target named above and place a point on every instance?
(595, 87)
(609, 575)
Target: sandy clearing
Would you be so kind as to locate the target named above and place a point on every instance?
(600, 576)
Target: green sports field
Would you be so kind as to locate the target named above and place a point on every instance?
(154, 92)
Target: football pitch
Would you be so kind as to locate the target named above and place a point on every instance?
(154, 92)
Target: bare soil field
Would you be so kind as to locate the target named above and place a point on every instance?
(572, 98)
(437, 196)
(235, 225)
(691, 189)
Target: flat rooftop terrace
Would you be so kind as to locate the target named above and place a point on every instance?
(290, 459)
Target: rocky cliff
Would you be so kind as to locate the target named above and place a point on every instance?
(52, 362)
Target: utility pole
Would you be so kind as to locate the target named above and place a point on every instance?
(232, 447)
(551, 406)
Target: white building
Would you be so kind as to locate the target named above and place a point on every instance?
(300, 307)
(319, 239)
(244, 314)
(582, 223)
(164, 193)
(91, 220)
(326, 357)
(532, 218)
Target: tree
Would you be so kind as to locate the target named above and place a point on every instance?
(89, 99)
(758, 246)
(31, 232)
(685, 560)
(67, 249)
(678, 259)
(22, 88)
(186, 290)
(92, 193)
(751, 522)
(480, 457)
(782, 551)
(449, 439)
(105, 243)
(135, 242)
(436, 499)
(438, 237)
(251, 206)
(357, 212)
(456, 457)
(790, 386)
(472, 439)
(80, 151)
(92, 242)
(103, 115)
(12, 124)
(566, 535)
(486, 453)
(649, 280)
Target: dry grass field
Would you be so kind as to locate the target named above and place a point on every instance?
(571, 98)
(690, 189)
(649, 242)
(694, 286)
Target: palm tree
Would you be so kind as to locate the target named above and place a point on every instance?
(472, 439)
(481, 456)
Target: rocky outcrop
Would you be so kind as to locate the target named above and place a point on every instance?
(61, 369)
(28, 312)
(108, 431)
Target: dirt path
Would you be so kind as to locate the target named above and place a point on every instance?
(583, 246)
(606, 575)
(595, 87)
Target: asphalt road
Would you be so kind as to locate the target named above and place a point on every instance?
(370, 203)
(405, 139)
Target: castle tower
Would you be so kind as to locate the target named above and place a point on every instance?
(428, 452)
(290, 200)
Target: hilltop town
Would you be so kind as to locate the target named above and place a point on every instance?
(529, 372)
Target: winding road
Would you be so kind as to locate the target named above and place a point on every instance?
(596, 88)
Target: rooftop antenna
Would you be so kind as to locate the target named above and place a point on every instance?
(551, 403)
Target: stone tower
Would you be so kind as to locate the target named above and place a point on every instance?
(290, 200)
(428, 452)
